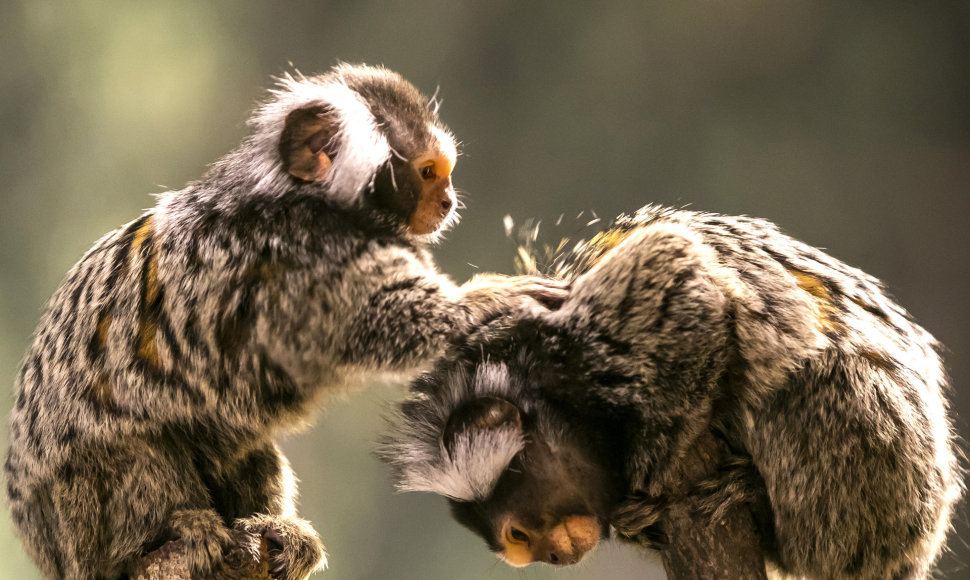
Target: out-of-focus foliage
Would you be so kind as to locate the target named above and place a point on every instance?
(847, 124)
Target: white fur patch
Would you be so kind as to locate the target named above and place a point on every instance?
(478, 457)
(362, 147)
(446, 143)
(471, 471)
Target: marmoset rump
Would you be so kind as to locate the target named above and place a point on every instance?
(182, 343)
(548, 429)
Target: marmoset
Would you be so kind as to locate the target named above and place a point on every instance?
(548, 429)
(182, 343)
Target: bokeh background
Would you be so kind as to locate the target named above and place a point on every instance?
(846, 123)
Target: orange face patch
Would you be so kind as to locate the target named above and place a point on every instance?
(516, 545)
(517, 555)
(437, 198)
(564, 543)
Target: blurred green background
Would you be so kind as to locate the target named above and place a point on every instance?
(848, 125)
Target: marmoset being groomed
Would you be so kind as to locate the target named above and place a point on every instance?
(185, 341)
(547, 430)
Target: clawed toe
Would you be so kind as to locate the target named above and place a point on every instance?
(292, 546)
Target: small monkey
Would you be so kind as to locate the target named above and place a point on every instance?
(546, 430)
(182, 343)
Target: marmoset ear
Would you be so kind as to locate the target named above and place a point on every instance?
(306, 144)
(482, 414)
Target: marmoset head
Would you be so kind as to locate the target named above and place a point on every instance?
(537, 483)
(548, 504)
(363, 137)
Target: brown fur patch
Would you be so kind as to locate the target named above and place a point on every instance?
(142, 234)
(147, 348)
(148, 328)
(267, 271)
(605, 241)
(101, 392)
(151, 280)
(104, 324)
(879, 361)
(824, 306)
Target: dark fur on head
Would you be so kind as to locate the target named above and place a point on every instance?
(380, 125)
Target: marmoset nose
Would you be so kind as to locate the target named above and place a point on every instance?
(563, 557)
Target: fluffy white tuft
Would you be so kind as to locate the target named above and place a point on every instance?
(363, 148)
(446, 142)
(478, 457)
(470, 472)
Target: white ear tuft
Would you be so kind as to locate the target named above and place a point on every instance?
(470, 471)
(360, 147)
